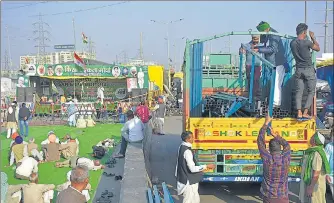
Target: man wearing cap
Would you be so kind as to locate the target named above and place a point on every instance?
(132, 131)
(257, 64)
(314, 169)
(70, 148)
(19, 150)
(273, 51)
(305, 72)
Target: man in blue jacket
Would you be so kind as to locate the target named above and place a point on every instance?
(273, 52)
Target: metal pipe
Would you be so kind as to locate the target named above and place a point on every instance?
(251, 82)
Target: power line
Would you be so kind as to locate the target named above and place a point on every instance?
(81, 10)
(40, 29)
(26, 5)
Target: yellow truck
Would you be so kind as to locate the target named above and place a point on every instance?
(226, 125)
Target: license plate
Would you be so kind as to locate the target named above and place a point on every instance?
(295, 169)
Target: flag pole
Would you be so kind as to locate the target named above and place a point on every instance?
(75, 48)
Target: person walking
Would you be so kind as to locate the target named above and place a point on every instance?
(24, 115)
(79, 181)
(11, 120)
(188, 173)
(274, 187)
(314, 169)
(160, 109)
(305, 72)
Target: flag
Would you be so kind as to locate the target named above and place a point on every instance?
(54, 88)
(78, 60)
(84, 38)
(27, 60)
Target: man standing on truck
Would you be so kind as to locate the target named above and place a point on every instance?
(188, 174)
(274, 52)
(257, 64)
(305, 72)
(274, 187)
(314, 169)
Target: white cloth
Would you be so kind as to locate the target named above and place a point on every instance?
(161, 122)
(10, 131)
(140, 76)
(28, 165)
(48, 196)
(35, 153)
(280, 73)
(88, 163)
(188, 156)
(134, 128)
(190, 194)
(18, 194)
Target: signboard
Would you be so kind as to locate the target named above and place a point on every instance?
(86, 88)
(64, 46)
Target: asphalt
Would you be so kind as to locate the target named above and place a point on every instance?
(163, 161)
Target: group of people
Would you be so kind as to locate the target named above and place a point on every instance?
(17, 116)
(27, 157)
(271, 48)
(317, 168)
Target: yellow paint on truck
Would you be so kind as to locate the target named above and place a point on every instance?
(241, 133)
(156, 75)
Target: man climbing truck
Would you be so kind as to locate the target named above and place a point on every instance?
(226, 125)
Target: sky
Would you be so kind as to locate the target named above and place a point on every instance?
(116, 29)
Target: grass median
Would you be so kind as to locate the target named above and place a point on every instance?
(48, 173)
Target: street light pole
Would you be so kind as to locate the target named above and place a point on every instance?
(168, 46)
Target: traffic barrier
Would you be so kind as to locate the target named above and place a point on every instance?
(156, 196)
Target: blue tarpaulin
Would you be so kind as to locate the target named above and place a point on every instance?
(327, 73)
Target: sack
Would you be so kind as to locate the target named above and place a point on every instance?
(98, 152)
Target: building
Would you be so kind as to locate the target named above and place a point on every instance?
(56, 57)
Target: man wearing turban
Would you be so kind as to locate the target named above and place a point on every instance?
(273, 51)
(314, 169)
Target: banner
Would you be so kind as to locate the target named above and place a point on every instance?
(86, 88)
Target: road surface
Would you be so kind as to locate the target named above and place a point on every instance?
(163, 161)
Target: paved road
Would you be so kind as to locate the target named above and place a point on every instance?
(163, 160)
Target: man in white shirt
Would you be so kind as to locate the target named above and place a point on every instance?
(47, 141)
(132, 131)
(82, 161)
(26, 167)
(188, 174)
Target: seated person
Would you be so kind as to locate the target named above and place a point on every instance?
(47, 140)
(25, 168)
(19, 150)
(68, 183)
(90, 121)
(70, 148)
(33, 150)
(52, 150)
(37, 193)
(12, 143)
(67, 139)
(74, 161)
(81, 123)
(132, 131)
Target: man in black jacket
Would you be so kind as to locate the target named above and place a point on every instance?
(188, 173)
(24, 114)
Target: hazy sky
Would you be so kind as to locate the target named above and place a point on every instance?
(116, 29)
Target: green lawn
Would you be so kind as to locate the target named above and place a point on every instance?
(48, 174)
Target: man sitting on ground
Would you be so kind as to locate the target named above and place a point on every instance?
(66, 138)
(52, 150)
(65, 185)
(26, 167)
(76, 161)
(90, 121)
(37, 193)
(12, 143)
(19, 150)
(33, 150)
(69, 149)
(132, 131)
(79, 181)
(81, 123)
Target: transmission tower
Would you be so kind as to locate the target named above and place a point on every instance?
(6, 62)
(40, 29)
(326, 23)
